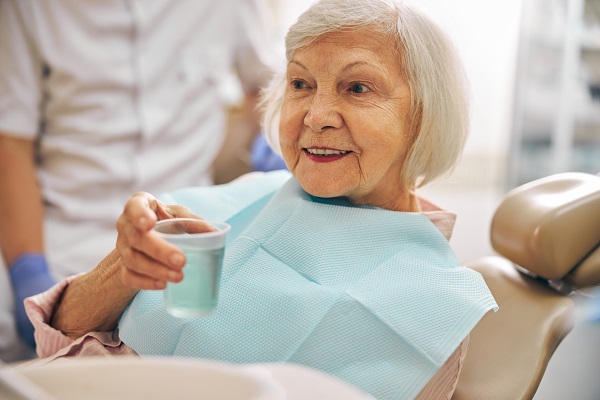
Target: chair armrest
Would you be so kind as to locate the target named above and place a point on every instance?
(509, 350)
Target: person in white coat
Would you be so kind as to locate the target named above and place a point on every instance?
(99, 100)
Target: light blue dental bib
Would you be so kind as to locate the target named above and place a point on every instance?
(374, 297)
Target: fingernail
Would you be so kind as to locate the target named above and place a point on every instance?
(174, 276)
(177, 260)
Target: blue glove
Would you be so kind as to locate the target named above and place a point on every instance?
(263, 158)
(594, 307)
(29, 276)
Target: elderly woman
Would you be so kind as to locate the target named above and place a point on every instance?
(341, 267)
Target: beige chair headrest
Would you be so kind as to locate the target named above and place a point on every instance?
(551, 227)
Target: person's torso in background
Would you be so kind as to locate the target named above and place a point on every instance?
(131, 102)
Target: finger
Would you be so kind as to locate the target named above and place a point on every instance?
(132, 241)
(144, 210)
(142, 282)
(186, 225)
(179, 211)
(141, 211)
(139, 265)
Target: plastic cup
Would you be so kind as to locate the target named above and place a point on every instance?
(197, 294)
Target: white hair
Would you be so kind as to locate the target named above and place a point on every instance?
(438, 86)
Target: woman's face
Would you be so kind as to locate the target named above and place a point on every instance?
(344, 128)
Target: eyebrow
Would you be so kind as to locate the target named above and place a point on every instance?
(299, 64)
(347, 67)
(354, 64)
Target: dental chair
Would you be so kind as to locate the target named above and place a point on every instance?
(547, 235)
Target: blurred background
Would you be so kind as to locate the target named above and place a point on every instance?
(534, 69)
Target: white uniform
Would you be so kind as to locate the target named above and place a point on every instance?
(123, 95)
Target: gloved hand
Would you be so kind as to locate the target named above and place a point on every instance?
(29, 276)
(263, 158)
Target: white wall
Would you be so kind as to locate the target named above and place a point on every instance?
(486, 34)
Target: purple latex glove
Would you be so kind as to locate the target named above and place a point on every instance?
(29, 276)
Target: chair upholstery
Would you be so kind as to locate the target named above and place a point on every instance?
(550, 230)
(550, 225)
(509, 350)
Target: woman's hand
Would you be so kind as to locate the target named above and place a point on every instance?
(148, 261)
(94, 301)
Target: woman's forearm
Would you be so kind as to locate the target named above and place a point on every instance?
(94, 301)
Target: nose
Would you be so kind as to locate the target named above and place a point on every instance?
(323, 113)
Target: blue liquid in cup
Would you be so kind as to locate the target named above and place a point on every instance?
(198, 293)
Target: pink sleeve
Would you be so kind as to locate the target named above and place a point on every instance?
(443, 383)
(53, 343)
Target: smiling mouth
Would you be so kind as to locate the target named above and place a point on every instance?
(326, 152)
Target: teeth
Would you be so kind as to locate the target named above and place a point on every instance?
(326, 152)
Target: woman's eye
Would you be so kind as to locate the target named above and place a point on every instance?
(297, 84)
(359, 88)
